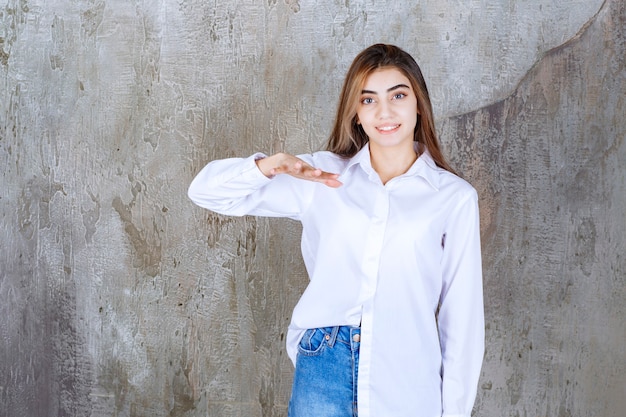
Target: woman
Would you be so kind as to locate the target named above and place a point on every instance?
(391, 322)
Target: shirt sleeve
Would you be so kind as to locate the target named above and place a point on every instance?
(236, 187)
(461, 312)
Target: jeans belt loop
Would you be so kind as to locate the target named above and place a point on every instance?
(333, 336)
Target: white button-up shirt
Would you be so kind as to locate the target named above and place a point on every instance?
(401, 259)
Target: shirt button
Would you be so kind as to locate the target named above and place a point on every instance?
(356, 338)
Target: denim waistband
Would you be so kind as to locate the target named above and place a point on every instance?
(345, 334)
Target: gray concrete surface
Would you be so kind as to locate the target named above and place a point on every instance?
(118, 297)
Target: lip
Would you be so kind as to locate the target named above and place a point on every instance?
(387, 129)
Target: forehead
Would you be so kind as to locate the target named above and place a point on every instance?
(384, 78)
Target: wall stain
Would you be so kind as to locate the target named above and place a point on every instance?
(146, 242)
(4, 55)
(294, 5)
(246, 245)
(114, 377)
(267, 397)
(216, 223)
(183, 399)
(41, 191)
(24, 215)
(11, 16)
(58, 49)
(71, 362)
(91, 217)
(585, 245)
(92, 18)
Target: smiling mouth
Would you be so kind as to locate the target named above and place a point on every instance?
(388, 128)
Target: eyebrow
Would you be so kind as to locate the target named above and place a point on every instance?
(389, 90)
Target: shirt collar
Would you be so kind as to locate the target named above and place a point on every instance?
(424, 167)
(362, 158)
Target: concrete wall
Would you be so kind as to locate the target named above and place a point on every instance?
(118, 297)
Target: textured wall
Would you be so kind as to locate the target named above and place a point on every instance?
(118, 297)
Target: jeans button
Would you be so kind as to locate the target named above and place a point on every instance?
(356, 338)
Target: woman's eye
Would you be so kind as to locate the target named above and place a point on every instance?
(367, 100)
(399, 96)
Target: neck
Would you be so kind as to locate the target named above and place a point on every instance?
(391, 162)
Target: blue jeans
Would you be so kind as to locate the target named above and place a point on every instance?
(325, 380)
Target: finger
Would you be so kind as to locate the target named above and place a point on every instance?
(313, 172)
(329, 179)
(327, 175)
(333, 183)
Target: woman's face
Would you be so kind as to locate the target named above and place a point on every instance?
(387, 110)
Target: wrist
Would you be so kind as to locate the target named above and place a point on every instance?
(266, 165)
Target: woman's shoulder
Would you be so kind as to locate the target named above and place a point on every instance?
(444, 180)
(455, 184)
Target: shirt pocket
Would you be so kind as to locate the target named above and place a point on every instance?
(313, 342)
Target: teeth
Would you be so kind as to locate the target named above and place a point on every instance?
(387, 128)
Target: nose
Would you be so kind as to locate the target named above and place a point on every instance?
(383, 110)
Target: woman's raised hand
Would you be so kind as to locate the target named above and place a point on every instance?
(283, 163)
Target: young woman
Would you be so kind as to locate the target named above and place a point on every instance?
(392, 319)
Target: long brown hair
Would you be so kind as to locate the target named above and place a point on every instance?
(348, 137)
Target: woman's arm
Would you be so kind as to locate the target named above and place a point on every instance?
(241, 186)
(461, 314)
